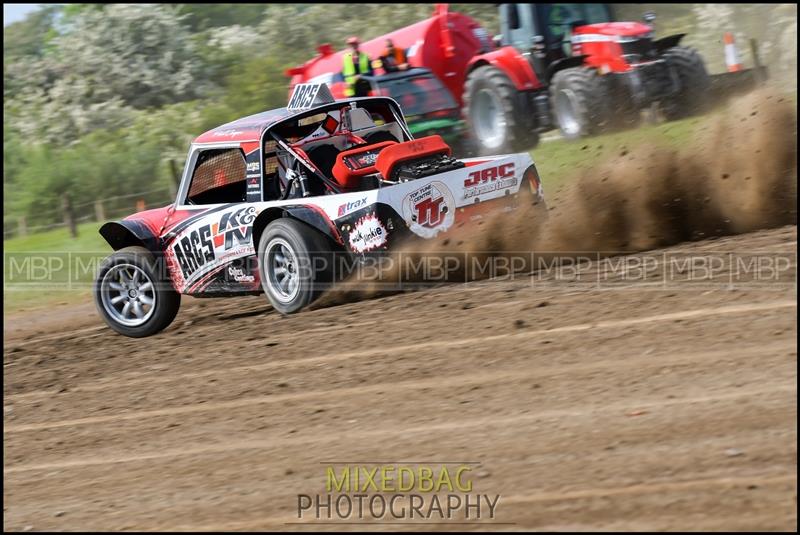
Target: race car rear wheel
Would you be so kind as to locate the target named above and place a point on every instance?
(295, 262)
(133, 295)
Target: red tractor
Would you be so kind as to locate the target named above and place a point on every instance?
(587, 74)
(568, 66)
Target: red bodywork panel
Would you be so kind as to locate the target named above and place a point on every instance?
(600, 43)
(161, 220)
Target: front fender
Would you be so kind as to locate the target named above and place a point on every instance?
(129, 233)
(566, 63)
(513, 64)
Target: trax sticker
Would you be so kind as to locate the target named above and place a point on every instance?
(348, 207)
(368, 233)
(210, 243)
(429, 210)
(489, 180)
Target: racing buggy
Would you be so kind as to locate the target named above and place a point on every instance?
(269, 202)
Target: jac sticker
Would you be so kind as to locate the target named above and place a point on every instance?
(490, 174)
(429, 210)
(489, 180)
(368, 233)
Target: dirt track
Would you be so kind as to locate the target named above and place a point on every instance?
(617, 406)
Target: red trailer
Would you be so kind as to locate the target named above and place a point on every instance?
(445, 43)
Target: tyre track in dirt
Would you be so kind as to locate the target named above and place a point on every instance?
(619, 407)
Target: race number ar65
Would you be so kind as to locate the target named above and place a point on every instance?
(489, 175)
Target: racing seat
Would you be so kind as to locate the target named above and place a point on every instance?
(324, 154)
(324, 157)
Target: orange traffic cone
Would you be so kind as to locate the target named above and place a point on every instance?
(731, 57)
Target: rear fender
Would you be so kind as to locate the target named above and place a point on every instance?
(310, 215)
(667, 42)
(129, 233)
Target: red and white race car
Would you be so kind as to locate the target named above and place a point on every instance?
(267, 203)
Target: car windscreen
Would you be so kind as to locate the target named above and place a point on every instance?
(418, 95)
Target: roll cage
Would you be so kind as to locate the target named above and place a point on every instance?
(325, 129)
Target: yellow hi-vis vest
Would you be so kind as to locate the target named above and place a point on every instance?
(349, 71)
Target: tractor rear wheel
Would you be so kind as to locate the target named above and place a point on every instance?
(494, 113)
(692, 97)
(577, 96)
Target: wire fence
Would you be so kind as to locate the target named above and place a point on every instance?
(99, 210)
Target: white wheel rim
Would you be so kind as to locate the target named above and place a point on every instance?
(282, 270)
(128, 295)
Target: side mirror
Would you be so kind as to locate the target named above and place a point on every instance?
(649, 17)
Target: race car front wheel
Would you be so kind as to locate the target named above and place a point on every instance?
(132, 295)
(295, 263)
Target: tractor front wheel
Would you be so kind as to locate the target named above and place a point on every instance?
(577, 96)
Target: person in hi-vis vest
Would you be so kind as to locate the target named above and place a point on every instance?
(354, 64)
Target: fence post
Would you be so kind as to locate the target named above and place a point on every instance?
(22, 226)
(99, 211)
(757, 68)
(69, 216)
